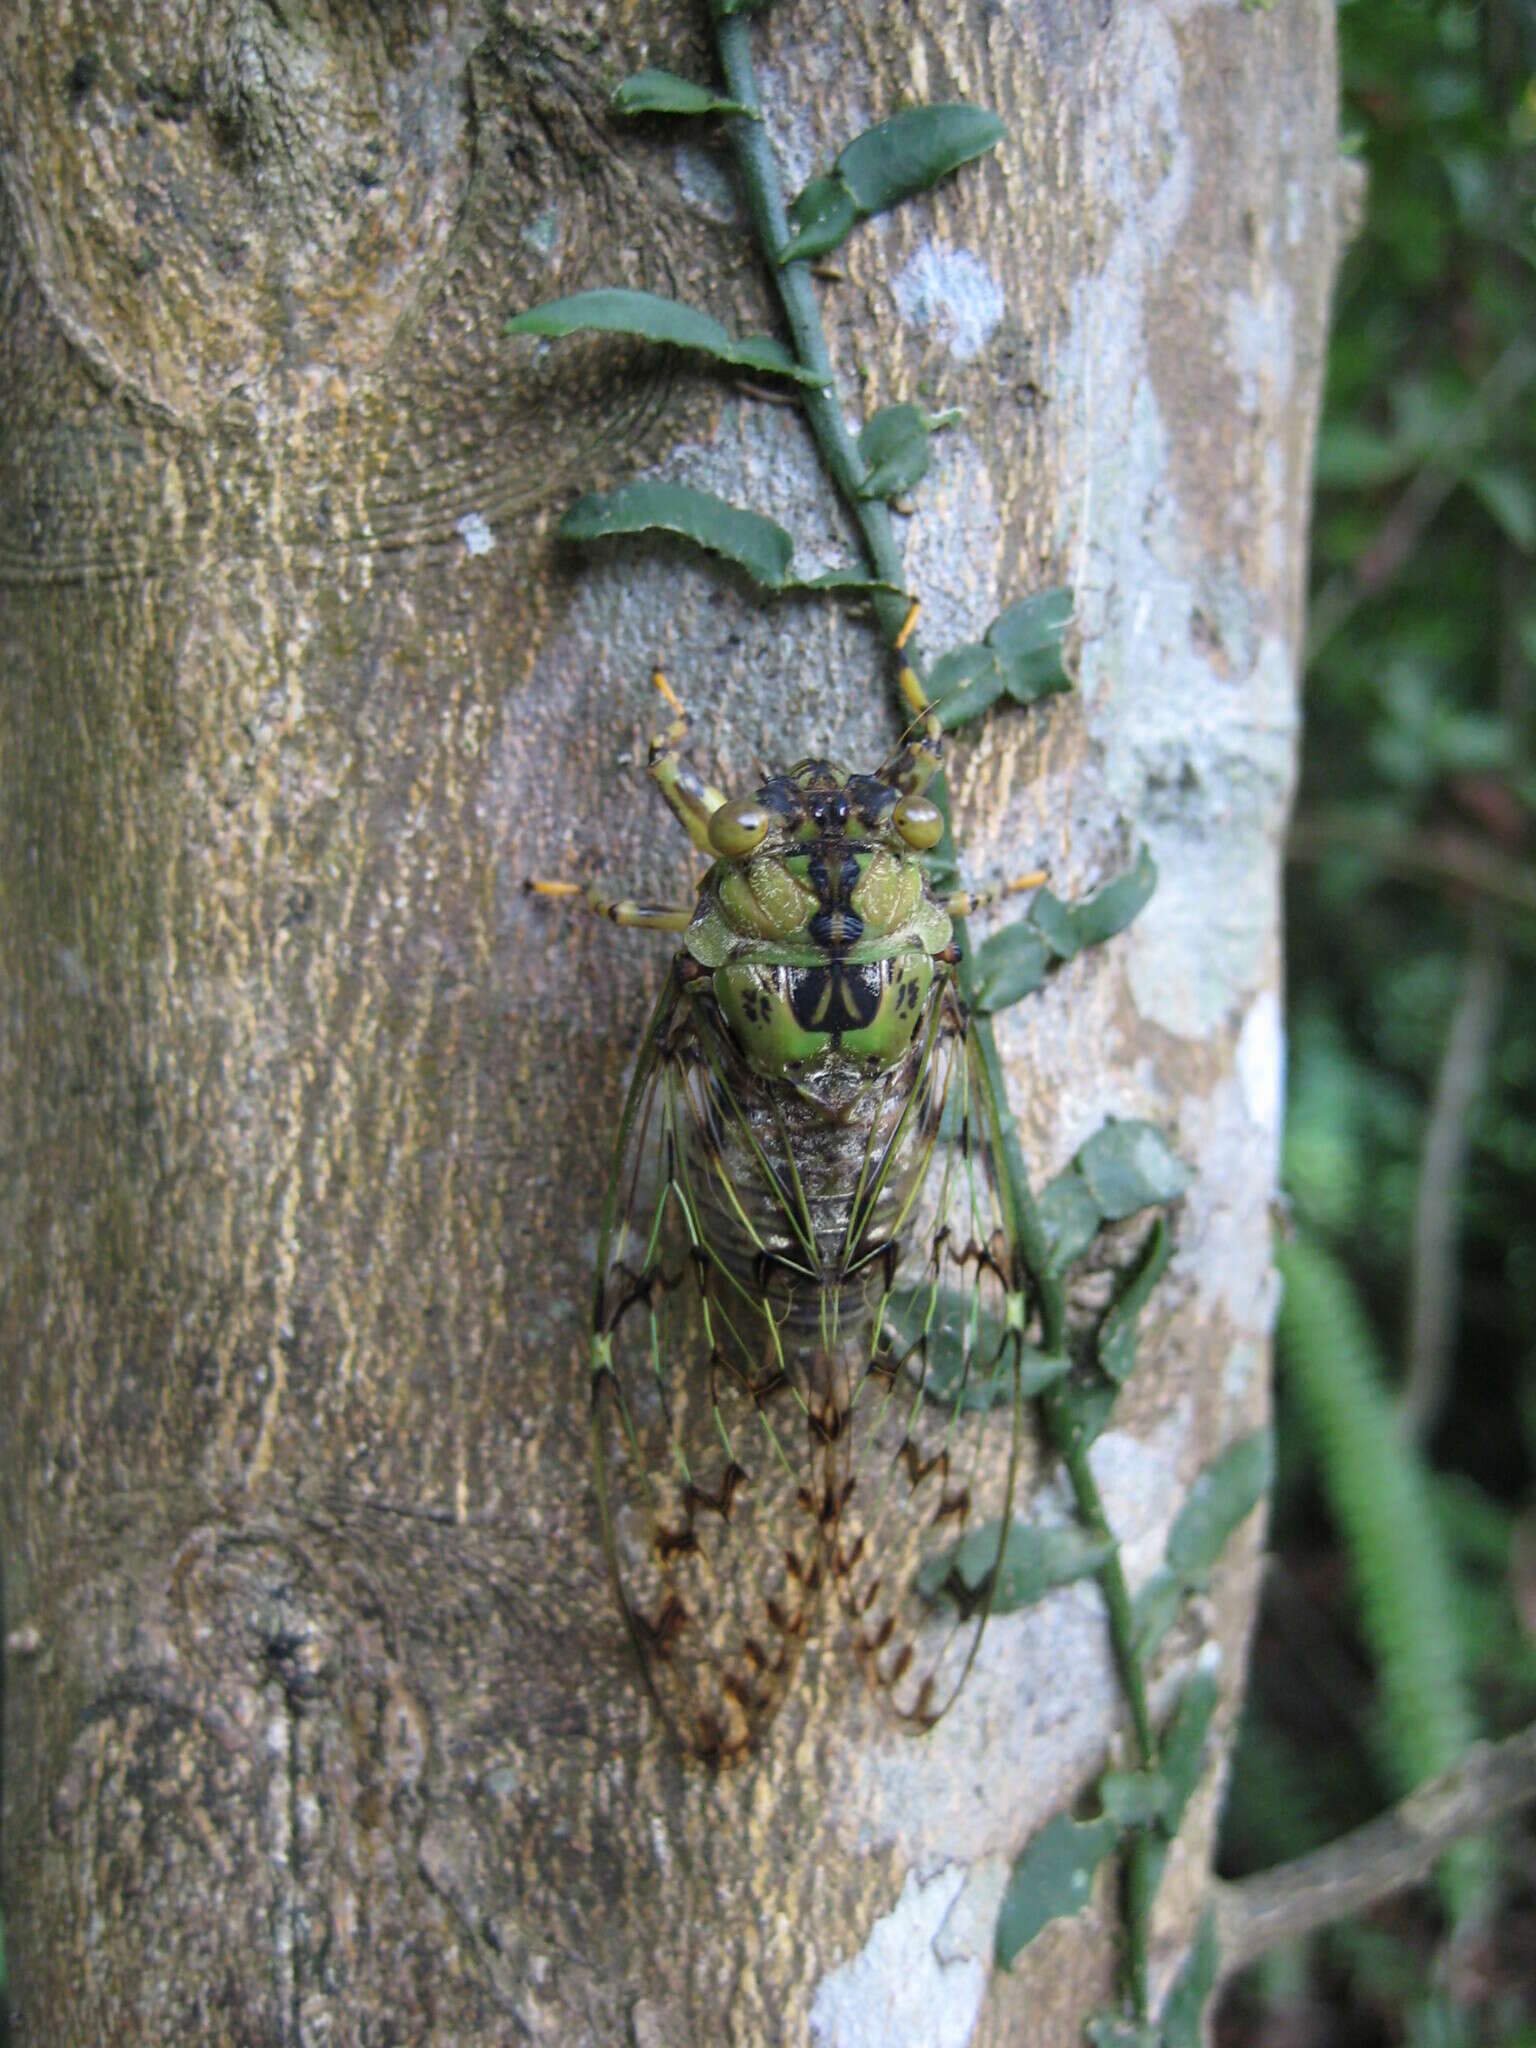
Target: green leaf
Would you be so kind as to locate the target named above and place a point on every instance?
(759, 546)
(1117, 1332)
(1154, 1609)
(913, 151)
(1053, 920)
(1182, 2009)
(1082, 1405)
(651, 318)
(1033, 1563)
(754, 543)
(663, 92)
(1069, 1217)
(1009, 965)
(1507, 494)
(821, 217)
(1051, 1878)
(1110, 909)
(1134, 1799)
(1182, 1749)
(1027, 641)
(962, 1346)
(1129, 1165)
(895, 445)
(963, 683)
(1224, 1494)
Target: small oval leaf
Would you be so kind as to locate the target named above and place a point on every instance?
(1052, 1878)
(663, 92)
(1053, 920)
(1130, 1165)
(1110, 909)
(1117, 1332)
(1026, 639)
(1134, 1799)
(1223, 1496)
(913, 150)
(1070, 1218)
(1009, 966)
(1033, 1562)
(754, 543)
(649, 317)
(1181, 2016)
(821, 218)
(895, 445)
(1182, 1748)
(963, 683)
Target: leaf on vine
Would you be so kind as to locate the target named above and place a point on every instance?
(759, 546)
(1110, 909)
(1134, 1799)
(1051, 1878)
(649, 317)
(821, 216)
(1117, 1332)
(1182, 1749)
(1026, 639)
(890, 162)
(1182, 2009)
(1034, 1562)
(1010, 965)
(913, 150)
(663, 92)
(963, 683)
(895, 445)
(1223, 1496)
(1130, 1165)
(1070, 1219)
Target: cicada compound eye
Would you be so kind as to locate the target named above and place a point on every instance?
(737, 827)
(920, 822)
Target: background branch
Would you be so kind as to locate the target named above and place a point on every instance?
(1492, 1781)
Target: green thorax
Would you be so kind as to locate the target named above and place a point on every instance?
(821, 940)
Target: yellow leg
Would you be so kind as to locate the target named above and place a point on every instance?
(621, 910)
(965, 901)
(691, 800)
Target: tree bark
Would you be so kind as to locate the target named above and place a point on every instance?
(320, 1723)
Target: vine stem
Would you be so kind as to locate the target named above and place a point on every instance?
(847, 470)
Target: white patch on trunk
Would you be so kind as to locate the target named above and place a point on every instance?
(920, 1978)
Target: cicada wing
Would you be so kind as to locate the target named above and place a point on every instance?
(707, 1464)
(936, 1431)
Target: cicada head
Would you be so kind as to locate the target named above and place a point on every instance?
(817, 922)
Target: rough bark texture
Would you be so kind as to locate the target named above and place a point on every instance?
(320, 1723)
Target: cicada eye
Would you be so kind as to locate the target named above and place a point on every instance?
(919, 822)
(738, 826)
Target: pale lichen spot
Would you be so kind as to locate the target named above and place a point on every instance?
(953, 292)
(475, 532)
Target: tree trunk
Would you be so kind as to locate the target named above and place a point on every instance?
(320, 1719)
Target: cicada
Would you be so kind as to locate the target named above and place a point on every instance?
(809, 1317)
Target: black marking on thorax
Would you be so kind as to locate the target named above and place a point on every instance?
(833, 873)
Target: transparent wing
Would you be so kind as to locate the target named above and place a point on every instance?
(712, 1478)
(931, 1451)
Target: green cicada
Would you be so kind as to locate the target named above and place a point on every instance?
(809, 1321)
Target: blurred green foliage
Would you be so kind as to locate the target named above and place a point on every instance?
(1410, 1150)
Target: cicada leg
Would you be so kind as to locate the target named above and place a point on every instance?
(965, 901)
(691, 800)
(620, 910)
